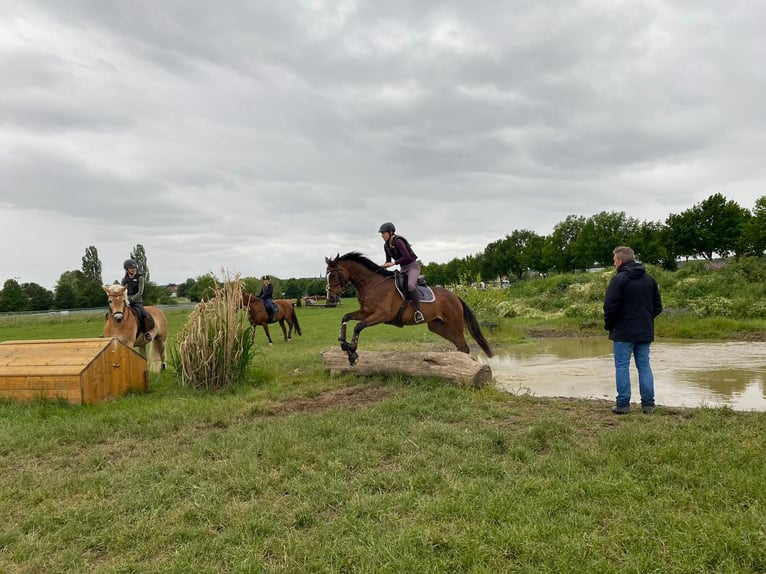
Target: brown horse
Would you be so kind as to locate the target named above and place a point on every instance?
(380, 302)
(122, 323)
(256, 313)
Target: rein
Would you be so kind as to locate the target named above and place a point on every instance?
(363, 291)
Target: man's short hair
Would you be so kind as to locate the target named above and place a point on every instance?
(624, 253)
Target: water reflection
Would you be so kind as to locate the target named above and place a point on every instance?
(686, 374)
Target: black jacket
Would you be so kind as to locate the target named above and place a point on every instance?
(631, 303)
(267, 292)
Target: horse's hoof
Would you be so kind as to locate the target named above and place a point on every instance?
(352, 358)
(163, 367)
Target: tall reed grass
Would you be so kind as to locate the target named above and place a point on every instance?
(216, 343)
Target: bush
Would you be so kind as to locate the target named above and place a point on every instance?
(711, 306)
(216, 343)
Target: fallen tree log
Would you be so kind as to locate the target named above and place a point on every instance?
(451, 365)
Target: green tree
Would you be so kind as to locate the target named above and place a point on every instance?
(40, 298)
(139, 256)
(652, 244)
(13, 298)
(713, 226)
(517, 253)
(185, 288)
(557, 248)
(65, 296)
(598, 237)
(754, 230)
(203, 289)
(90, 294)
(91, 265)
(76, 291)
(435, 273)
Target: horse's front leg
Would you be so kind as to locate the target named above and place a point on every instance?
(343, 324)
(268, 335)
(353, 356)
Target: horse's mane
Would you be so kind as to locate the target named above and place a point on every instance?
(357, 257)
(248, 299)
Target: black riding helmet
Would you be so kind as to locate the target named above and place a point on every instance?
(129, 263)
(387, 226)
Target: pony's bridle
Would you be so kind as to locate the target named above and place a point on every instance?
(118, 315)
(340, 281)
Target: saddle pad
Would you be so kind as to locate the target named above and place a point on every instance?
(425, 293)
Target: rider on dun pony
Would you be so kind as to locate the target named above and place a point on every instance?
(134, 281)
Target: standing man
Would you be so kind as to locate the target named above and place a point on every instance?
(631, 303)
(398, 252)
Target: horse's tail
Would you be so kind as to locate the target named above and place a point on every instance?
(474, 328)
(296, 325)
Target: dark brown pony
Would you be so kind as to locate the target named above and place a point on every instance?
(380, 302)
(256, 313)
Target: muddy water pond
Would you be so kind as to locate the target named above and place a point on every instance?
(686, 374)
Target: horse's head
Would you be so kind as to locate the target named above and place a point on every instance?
(118, 301)
(337, 276)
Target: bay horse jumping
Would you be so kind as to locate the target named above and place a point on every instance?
(256, 313)
(380, 302)
(123, 324)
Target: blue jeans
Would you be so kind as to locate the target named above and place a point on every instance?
(640, 351)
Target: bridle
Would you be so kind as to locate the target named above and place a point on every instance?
(341, 281)
(119, 315)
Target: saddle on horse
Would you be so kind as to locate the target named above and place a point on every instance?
(145, 322)
(421, 294)
(424, 292)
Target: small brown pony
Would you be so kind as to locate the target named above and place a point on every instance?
(380, 302)
(256, 313)
(122, 323)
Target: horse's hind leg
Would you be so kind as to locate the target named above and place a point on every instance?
(158, 351)
(451, 334)
(284, 331)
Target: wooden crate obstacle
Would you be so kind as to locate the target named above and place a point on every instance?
(79, 371)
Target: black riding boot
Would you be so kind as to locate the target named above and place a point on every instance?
(148, 326)
(416, 301)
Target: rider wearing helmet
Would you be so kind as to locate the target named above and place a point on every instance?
(399, 252)
(135, 283)
(266, 295)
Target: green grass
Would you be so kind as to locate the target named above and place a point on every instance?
(301, 471)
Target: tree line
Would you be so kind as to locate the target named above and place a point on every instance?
(715, 227)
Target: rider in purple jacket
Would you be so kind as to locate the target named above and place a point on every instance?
(399, 252)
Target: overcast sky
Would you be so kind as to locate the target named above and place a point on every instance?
(262, 136)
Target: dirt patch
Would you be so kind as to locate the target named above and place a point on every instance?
(349, 397)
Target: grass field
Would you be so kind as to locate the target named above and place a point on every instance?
(299, 471)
